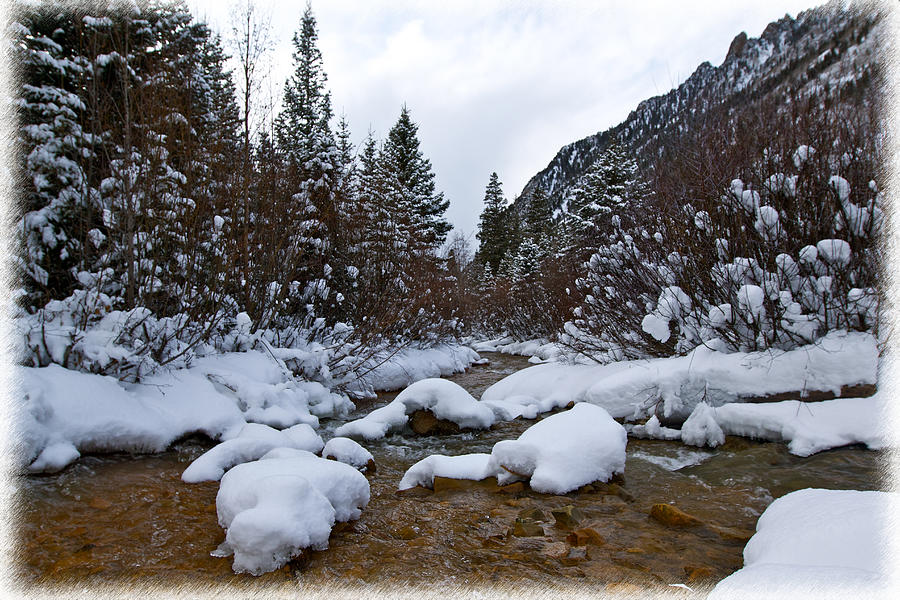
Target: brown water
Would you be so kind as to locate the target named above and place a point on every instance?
(119, 518)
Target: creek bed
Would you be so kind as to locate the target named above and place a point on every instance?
(121, 518)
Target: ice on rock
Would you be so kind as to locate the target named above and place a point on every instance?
(271, 509)
(563, 452)
(701, 429)
(254, 441)
(467, 466)
(445, 399)
(348, 452)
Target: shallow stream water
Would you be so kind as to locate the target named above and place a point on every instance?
(120, 518)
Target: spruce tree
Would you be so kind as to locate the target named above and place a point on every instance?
(307, 145)
(492, 231)
(425, 227)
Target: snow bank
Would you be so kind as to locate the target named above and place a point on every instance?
(348, 452)
(445, 399)
(810, 427)
(677, 384)
(820, 543)
(273, 508)
(563, 452)
(410, 365)
(252, 442)
(467, 466)
(66, 412)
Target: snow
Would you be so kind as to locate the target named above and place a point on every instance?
(445, 399)
(539, 349)
(653, 430)
(348, 452)
(273, 508)
(563, 452)
(701, 428)
(657, 327)
(556, 455)
(678, 384)
(410, 365)
(830, 543)
(810, 427)
(66, 412)
(253, 441)
(834, 251)
(467, 466)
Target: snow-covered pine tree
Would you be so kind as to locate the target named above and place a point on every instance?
(53, 148)
(423, 222)
(493, 233)
(611, 184)
(311, 158)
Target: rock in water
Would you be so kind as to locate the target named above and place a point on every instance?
(672, 517)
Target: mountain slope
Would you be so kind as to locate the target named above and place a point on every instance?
(831, 47)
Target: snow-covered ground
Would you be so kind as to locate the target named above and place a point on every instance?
(65, 413)
(816, 543)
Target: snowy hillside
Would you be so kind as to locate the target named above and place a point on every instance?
(823, 47)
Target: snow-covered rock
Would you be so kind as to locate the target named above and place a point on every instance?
(411, 365)
(254, 441)
(701, 428)
(348, 452)
(467, 466)
(563, 452)
(816, 543)
(271, 509)
(444, 399)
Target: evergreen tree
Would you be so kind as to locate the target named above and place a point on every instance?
(306, 143)
(492, 230)
(423, 224)
(610, 185)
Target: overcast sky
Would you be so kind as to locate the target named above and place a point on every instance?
(501, 86)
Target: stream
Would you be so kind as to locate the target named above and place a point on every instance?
(115, 519)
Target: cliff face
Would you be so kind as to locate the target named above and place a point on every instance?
(829, 47)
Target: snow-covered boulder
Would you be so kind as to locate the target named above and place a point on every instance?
(272, 509)
(563, 452)
(251, 443)
(816, 543)
(348, 452)
(467, 466)
(444, 399)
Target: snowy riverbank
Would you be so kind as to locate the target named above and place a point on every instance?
(65, 413)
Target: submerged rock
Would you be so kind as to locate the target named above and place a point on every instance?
(567, 517)
(584, 537)
(525, 528)
(672, 517)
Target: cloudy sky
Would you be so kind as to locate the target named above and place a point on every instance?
(501, 86)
